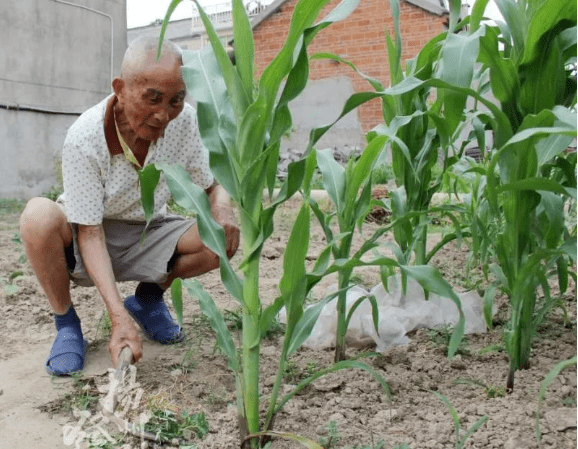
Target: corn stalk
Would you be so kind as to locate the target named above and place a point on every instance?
(531, 61)
(241, 124)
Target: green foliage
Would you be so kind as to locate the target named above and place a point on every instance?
(53, 193)
(460, 439)
(550, 377)
(167, 425)
(441, 336)
(518, 208)
(241, 123)
(11, 206)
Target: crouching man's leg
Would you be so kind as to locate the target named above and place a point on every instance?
(46, 234)
(191, 258)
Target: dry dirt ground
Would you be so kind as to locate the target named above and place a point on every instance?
(193, 377)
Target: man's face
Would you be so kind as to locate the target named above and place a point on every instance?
(153, 97)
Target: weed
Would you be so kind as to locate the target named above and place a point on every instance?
(490, 390)
(292, 372)
(330, 441)
(217, 398)
(53, 193)
(441, 337)
(569, 401)
(82, 397)
(104, 326)
(167, 425)
(11, 206)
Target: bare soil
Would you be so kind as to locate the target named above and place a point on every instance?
(193, 376)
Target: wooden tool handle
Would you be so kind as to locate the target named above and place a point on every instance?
(125, 359)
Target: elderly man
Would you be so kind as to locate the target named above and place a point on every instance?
(91, 234)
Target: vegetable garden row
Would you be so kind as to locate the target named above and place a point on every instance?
(515, 80)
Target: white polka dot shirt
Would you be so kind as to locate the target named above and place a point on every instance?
(98, 185)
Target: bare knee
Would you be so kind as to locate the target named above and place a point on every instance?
(42, 219)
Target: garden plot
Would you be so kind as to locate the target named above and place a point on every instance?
(344, 409)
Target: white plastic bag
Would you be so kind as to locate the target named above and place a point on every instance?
(398, 315)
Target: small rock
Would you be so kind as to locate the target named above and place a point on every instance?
(338, 418)
(561, 418)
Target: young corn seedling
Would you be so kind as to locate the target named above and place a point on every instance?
(241, 124)
(461, 437)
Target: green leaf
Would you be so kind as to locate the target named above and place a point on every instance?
(504, 77)
(550, 377)
(333, 177)
(212, 312)
(173, 5)
(192, 197)
(432, 281)
(215, 116)
(177, 298)
(148, 180)
(305, 325)
(244, 47)
(237, 94)
(345, 364)
(459, 55)
(293, 282)
(549, 14)
(477, 14)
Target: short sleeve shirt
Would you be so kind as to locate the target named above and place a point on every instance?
(99, 185)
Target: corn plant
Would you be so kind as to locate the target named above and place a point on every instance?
(531, 62)
(241, 123)
(349, 188)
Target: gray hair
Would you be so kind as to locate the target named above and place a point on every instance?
(140, 50)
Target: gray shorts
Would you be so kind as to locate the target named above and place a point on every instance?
(150, 261)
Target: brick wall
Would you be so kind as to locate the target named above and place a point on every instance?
(360, 38)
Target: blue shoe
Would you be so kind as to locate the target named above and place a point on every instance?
(152, 315)
(69, 347)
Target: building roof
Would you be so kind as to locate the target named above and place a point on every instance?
(433, 6)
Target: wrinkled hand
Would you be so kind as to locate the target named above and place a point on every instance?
(124, 333)
(224, 216)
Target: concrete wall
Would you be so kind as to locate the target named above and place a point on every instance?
(55, 62)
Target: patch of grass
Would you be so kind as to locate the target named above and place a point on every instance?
(11, 206)
(83, 396)
(53, 193)
(103, 327)
(168, 425)
(491, 391)
(441, 336)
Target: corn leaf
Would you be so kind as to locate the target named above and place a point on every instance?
(459, 54)
(148, 180)
(432, 281)
(305, 325)
(333, 177)
(173, 5)
(549, 14)
(550, 377)
(212, 312)
(293, 282)
(244, 47)
(344, 364)
(215, 115)
(235, 88)
(177, 299)
(192, 197)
